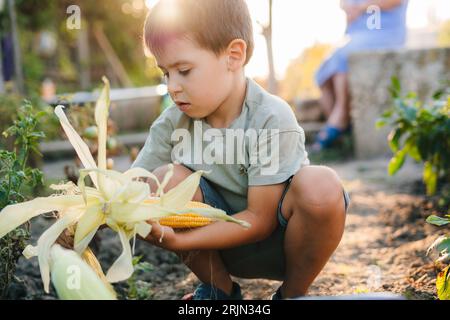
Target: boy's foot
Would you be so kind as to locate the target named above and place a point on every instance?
(277, 295)
(207, 291)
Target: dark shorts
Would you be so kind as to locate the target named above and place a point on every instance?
(264, 259)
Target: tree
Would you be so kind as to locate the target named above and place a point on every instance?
(2, 84)
(267, 33)
(16, 44)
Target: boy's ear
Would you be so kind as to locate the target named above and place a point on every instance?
(237, 54)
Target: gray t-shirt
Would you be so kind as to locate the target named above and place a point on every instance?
(263, 146)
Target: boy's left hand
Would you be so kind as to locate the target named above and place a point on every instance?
(162, 236)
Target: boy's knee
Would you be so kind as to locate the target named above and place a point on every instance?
(317, 187)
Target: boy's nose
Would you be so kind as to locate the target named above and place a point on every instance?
(173, 87)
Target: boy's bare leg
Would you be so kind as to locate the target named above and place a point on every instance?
(207, 265)
(314, 208)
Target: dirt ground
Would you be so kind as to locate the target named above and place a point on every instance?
(383, 248)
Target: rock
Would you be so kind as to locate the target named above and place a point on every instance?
(422, 71)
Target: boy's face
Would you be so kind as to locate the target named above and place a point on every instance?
(198, 80)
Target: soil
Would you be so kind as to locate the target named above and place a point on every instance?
(383, 248)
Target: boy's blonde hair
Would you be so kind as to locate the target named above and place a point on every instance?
(213, 24)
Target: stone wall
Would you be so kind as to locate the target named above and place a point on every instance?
(135, 115)
(422, 71)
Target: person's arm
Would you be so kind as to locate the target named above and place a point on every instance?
(353, 11)
(382, 4)
(260, 213)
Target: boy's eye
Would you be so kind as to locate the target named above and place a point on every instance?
(184, 72)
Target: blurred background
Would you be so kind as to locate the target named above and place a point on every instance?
(302, 34)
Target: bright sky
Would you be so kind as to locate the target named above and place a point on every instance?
(298, 24)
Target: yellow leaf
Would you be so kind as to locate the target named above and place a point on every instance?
(91, 220)
(101, 118)
(78, 144)
(443, 284)
(48, 238)
(15, 215)
(122, 268)
(178, 197)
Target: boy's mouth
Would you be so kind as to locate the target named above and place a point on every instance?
(183, 106)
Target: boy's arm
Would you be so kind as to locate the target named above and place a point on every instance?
(261, 213)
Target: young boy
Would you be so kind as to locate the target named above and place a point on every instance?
(225, 123)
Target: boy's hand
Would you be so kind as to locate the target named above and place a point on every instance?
(162, 236)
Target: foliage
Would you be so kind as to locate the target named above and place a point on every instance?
(442, 246)
(14, 176)
(138, 289)
(444, 34)
(421, 131)
(443, 284)
(10, 103)
(299, 78)
(122, 26)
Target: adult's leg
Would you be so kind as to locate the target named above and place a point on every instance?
(339, 118)
(340, 115)
(327, 98)
(315, 210)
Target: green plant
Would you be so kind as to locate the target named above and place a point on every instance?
(421, 131)
(442, 246)
(138, 289)
(10, 103)
(15, 175)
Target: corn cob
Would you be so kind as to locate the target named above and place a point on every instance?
(186, 220)
(74, 279)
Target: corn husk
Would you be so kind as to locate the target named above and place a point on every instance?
(74, 279)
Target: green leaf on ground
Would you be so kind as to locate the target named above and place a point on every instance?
(437, 221)
(442, 284)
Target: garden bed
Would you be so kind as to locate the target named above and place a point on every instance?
(383, 248)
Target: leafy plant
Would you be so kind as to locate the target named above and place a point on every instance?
(137, 289)
(421, 131)
(15, 175)
(442, 246)
(10, 103)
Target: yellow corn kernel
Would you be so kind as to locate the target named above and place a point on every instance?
(186, 220)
